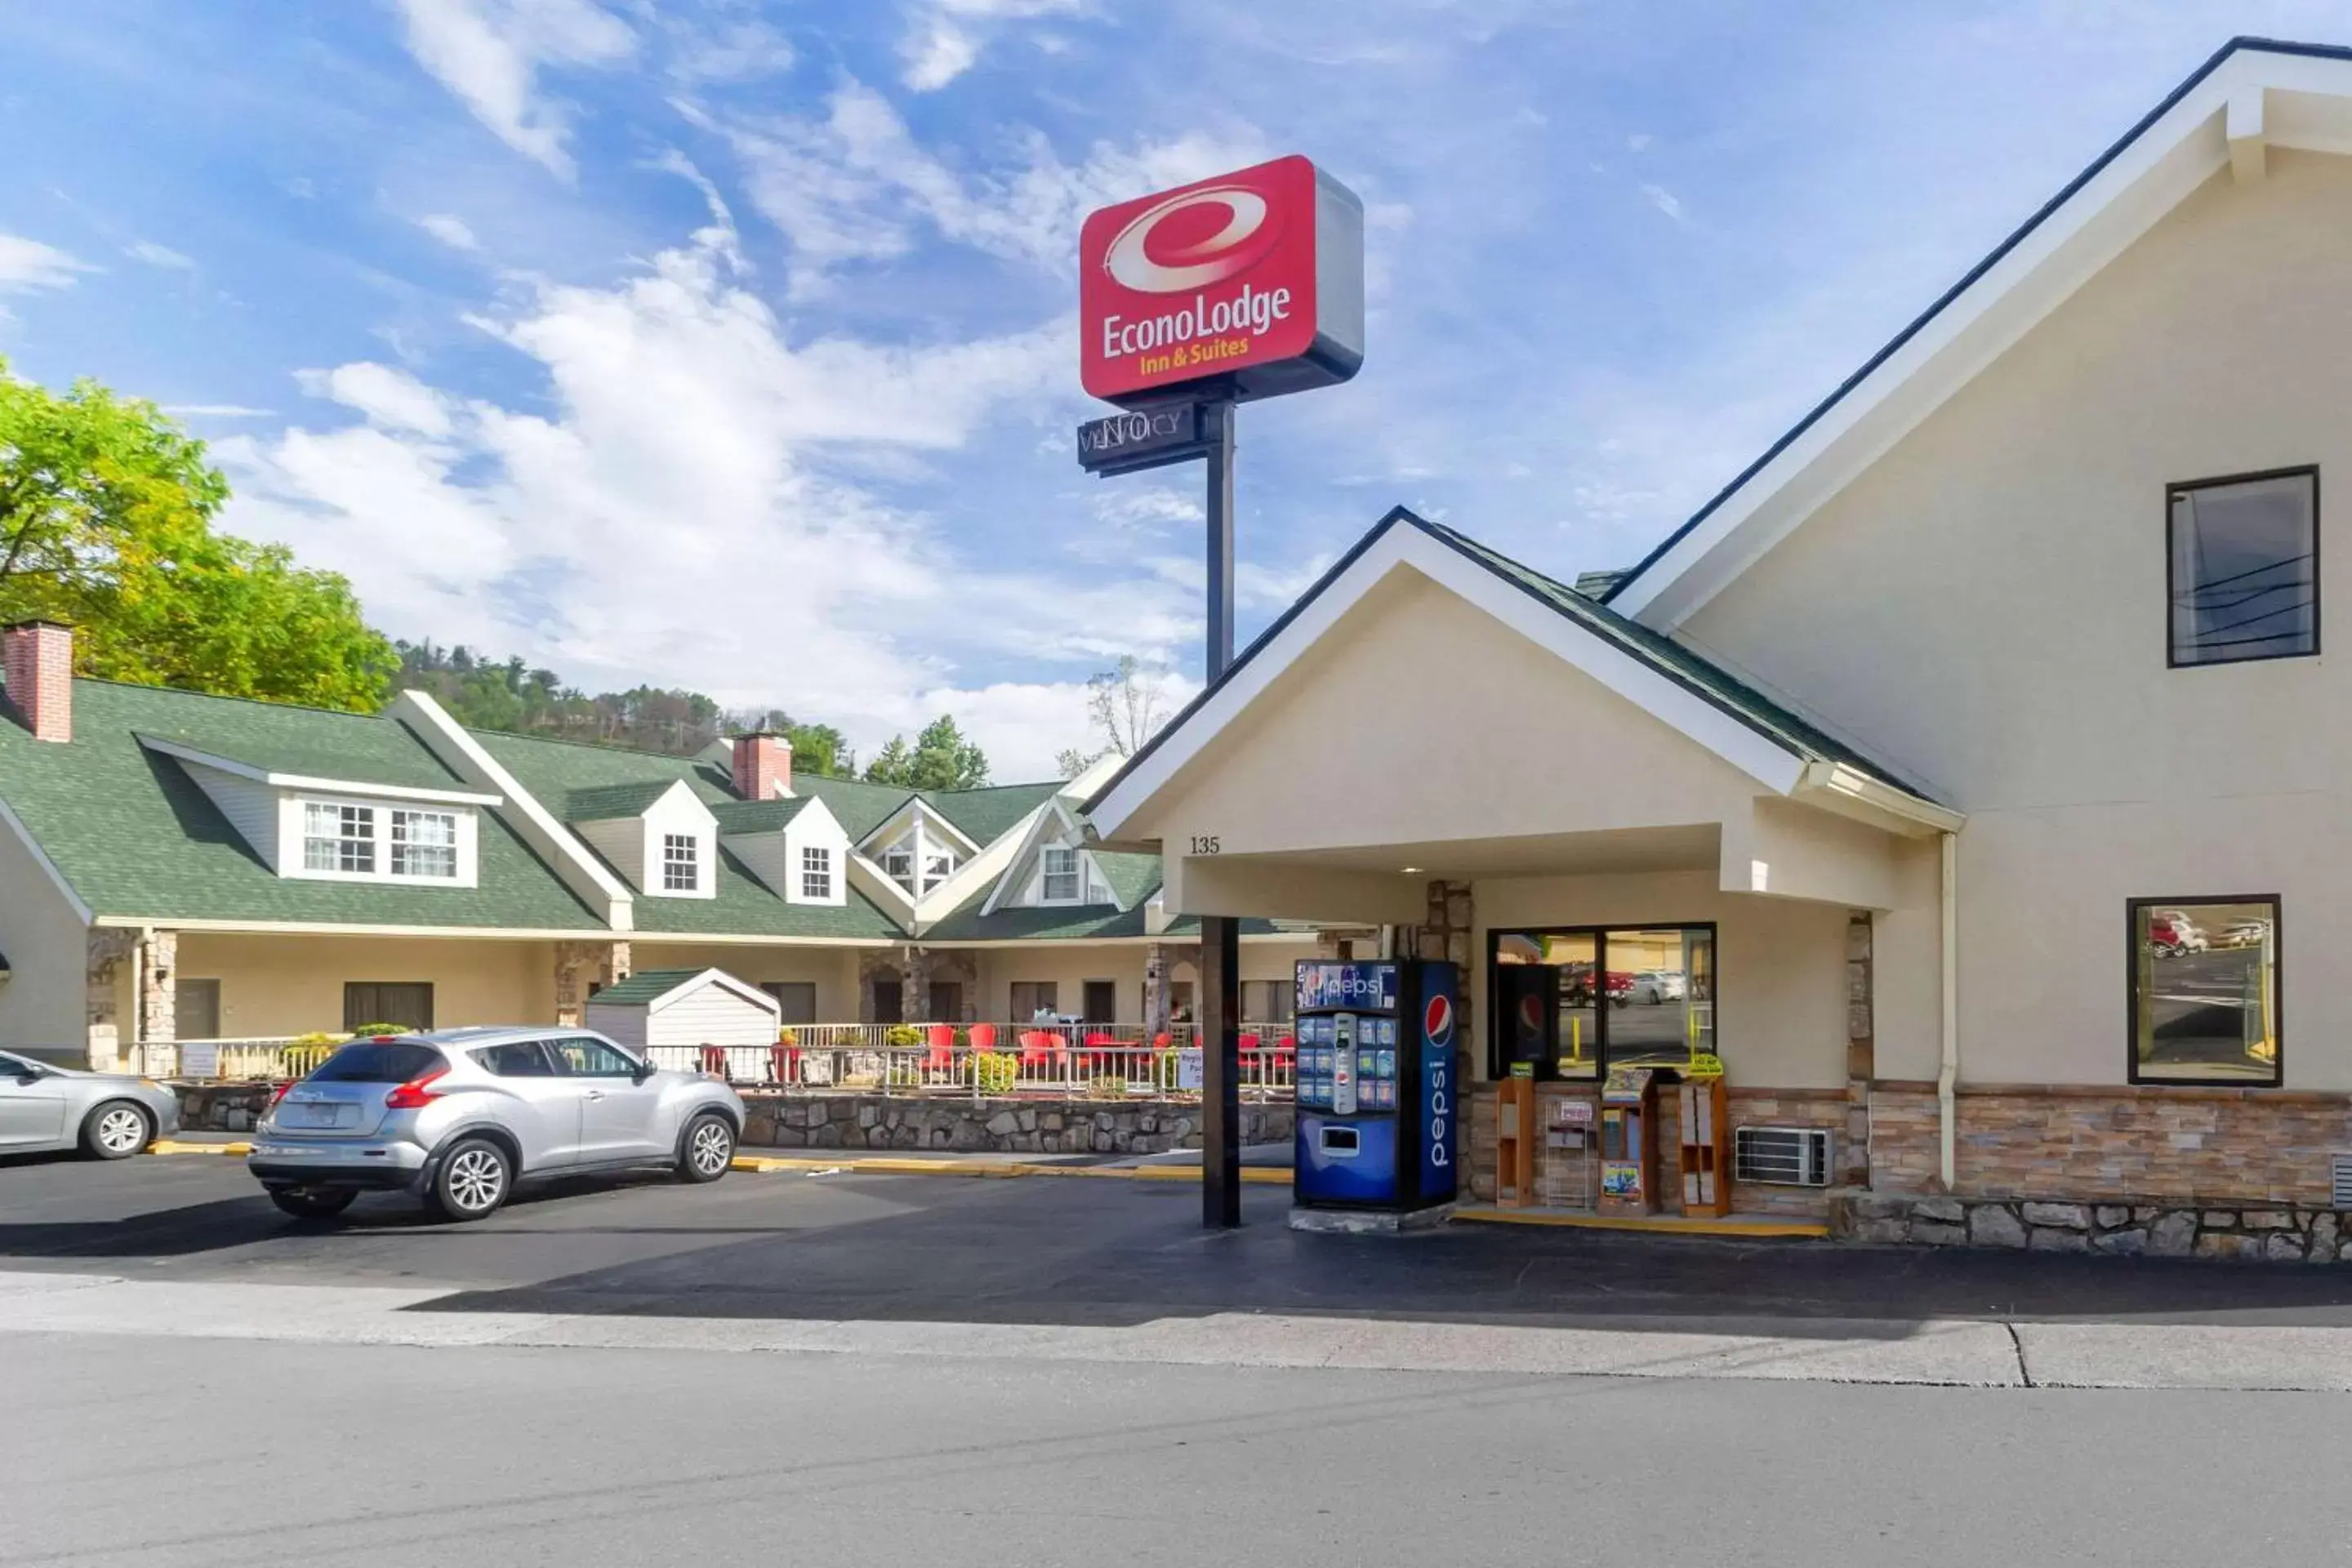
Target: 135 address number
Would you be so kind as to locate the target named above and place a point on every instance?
(1207, 844)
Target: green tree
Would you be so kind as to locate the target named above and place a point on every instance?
(941, 758)
(106, 514)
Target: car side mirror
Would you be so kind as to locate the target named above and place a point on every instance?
(31, 1073)
(643, 1071)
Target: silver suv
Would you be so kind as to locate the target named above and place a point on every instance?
(459, 1116)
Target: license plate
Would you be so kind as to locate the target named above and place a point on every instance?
(321, 1115)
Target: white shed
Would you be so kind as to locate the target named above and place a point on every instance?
(684, 1007)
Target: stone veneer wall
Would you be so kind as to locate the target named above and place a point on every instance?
(2194, 1147)
(1749, 1107)
(1003, 1126)
(2276, 1234)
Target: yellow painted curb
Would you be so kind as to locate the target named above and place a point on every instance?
(174, 1146)
(1655, 1225)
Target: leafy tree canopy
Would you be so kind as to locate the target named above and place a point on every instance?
(941, 758)
(106, 514)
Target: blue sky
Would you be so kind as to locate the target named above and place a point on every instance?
(731, 344)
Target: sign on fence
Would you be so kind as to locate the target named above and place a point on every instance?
(1188, 1069)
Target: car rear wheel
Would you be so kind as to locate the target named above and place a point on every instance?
(473, 1181)
(116, 1131)
(707, 1148)
(312, 1203)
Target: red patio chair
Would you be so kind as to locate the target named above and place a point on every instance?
(1098, 1048)
(942, 1054)
(714, 1061)
(784, 1063)
(983, 1036)
(1037, 1047)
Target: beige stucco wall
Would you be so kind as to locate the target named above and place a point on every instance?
(833, 969)
(1779, 963)
(1070, 965)
(278, 985)
(1323, 757)
(42, 1001)
(1985, 606)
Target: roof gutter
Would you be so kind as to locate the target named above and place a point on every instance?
(1847, 790)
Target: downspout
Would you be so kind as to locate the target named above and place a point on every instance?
(1947, 1077)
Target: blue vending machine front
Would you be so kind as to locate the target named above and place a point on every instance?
(1375, 1112)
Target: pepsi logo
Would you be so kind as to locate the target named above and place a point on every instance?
(1193, 240)
(1437, 1021)
(1531, 1015)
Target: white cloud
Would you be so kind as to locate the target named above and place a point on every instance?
(490, 52)
(391, 399)
(1640, 140)
(736, 52)
(678, 501)
(450, 230)
(28, 264)
(218, 411)
(856, 186)
(155, 255)
(1664, 200)
(944, 38)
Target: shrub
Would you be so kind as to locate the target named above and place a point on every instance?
(995, 1072)
(366, 1030)
(902, 1037)
(788, 1036)
(1108, 1085)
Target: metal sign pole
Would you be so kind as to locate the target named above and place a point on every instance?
(1220, 1090)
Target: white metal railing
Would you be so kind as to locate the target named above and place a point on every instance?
(1062, 1063)
(1066, 1060)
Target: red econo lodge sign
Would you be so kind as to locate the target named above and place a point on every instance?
(1254, 279)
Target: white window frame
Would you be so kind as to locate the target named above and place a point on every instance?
(681, 873)
(403, 820)
(382, 827)
(816, 871)
(1047, 876)
(353, 825)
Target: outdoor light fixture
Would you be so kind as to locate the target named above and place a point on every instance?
(1413, 870)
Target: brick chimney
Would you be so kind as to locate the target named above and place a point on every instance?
(763, 767)
(37, 662)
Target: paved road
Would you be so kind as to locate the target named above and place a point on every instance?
(276, 1454)
(1059, 1251)
(857, 1370)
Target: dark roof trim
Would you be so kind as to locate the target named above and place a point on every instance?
(1968, 280)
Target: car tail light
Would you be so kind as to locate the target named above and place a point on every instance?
(283, 1088)
(416, 1093)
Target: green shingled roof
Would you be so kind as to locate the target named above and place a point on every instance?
(744, 906)
(608, 802)
(756, 815)
(133, 836)
(860, 807)
(986, 815)
(373, 750)
(645, 986)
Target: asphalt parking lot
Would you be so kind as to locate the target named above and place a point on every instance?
(1044, 1250)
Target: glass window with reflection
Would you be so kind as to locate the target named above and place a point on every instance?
(1573, 1003)
(2205, 991)
(2244, 568)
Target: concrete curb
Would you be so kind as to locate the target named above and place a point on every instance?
(174, 1146)
(1004, 1170)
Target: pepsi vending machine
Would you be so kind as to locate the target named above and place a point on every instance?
(1376, 1126)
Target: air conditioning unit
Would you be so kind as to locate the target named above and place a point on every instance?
(1781, 1156)
(2341, 1171)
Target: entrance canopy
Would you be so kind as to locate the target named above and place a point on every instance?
(1430, 709)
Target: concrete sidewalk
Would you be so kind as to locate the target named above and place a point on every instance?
(1938, 1352)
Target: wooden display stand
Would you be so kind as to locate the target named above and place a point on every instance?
(1629, 1131)
(1705, 1152)
(1515, 1142)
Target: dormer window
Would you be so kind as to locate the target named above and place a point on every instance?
(425, 844)
(681, 863)
(900, 865)
(816, 872)
(1061, 878)
(339, 838)
(384, 843)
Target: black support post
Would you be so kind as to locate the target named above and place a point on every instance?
(1221, 984)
